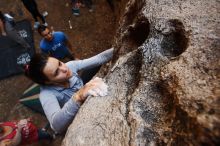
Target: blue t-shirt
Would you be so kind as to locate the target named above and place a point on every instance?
(56, 47)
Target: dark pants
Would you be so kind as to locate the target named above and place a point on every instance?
(74, 2)
(67, 57)
(31, 6)
(88, 3)
(44, 135)
(111, 4)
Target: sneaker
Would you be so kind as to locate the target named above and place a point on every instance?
(45, 13)
(36, 24)
(75, 11)
(45, 24)
(4, 34)
(43, 129)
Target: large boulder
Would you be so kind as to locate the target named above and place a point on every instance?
(163, 81)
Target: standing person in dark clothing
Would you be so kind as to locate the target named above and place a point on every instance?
(31, 6)
(81, 3)
(7, 28)
(88, 4)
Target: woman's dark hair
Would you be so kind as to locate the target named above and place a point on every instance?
(41, 28)
(34, 70)
(2, 17)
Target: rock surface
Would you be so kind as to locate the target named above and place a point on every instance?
(87, 39)
(163, 81)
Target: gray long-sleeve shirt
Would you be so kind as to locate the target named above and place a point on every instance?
(56, 101)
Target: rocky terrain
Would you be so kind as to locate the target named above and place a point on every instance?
(163, 81)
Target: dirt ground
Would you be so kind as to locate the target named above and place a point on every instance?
(91, 33)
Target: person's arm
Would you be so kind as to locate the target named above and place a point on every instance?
(17, 139)
(58, 117)
(94, 61)
(61, 118)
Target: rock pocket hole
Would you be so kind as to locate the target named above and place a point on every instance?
(176, 42)
(139, 33)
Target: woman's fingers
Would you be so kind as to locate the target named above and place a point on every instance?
(97, 87)
(94, 82)
(92, 92)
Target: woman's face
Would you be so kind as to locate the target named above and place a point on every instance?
(56, 71)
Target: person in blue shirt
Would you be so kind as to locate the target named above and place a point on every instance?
(55, 44)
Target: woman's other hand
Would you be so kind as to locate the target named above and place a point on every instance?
(95, 87)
